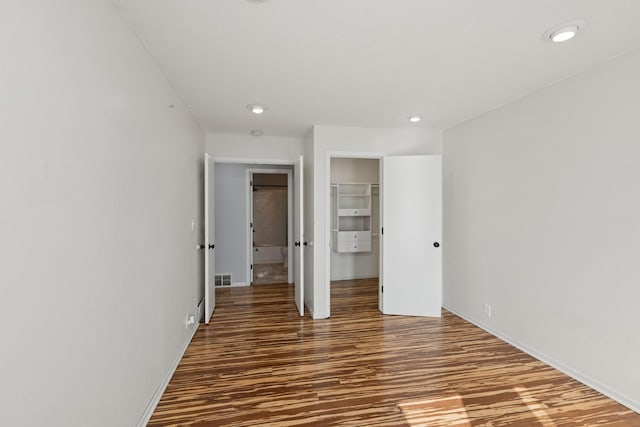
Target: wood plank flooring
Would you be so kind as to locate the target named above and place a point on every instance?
(269, 273)
(258, 363)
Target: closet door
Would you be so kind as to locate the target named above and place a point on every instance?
(412, 224)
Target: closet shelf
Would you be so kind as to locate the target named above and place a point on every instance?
(351, 221)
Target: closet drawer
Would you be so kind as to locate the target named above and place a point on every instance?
(346, 236)
(354, 212)
(354, 246)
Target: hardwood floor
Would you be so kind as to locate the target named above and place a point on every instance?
(269, 273)
(259, 363)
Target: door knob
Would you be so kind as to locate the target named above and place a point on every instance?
(296, 244)
(199, 247)
(306, 243)
(212, 247)
(436, 244)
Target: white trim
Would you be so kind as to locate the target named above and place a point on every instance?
(327, 203)
(153, 403)
(584, 379)
(366, 276)
(235, 284)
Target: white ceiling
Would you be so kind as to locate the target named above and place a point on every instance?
(369, 63)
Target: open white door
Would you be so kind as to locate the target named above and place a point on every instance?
(251, 230)
(298, 230)
(209, 238)
(411, 253)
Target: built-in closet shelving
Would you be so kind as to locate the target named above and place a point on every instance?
(352, 216)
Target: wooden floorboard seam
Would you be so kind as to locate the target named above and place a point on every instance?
(258, 363)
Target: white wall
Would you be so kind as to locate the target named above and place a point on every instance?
(361, 264)
(351, 141)
(100, 180)
(232, 229)
(248, 146)
(541, 208)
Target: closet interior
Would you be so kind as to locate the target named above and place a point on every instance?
(355, 218)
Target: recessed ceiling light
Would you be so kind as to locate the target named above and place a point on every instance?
(256, 132)
(257, 108)
(562, 33)
(415, 119)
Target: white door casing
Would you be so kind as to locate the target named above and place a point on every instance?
(411, 255)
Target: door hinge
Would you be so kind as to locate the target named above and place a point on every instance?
(382, 289)
(250, 183)
(251, 266)
(382, 230)
(250, 225)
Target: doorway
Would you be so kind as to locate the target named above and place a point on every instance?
(270, 227)
(228, 237)
(354, 235)
(410, 203)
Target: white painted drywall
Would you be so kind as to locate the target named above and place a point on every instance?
(350, 141)
(541, 208)
(363, 264)
(232, 230)
(100, 180)
(262, 147)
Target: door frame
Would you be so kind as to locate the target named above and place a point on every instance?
(249, 217)
(327, 226)
(253, 161)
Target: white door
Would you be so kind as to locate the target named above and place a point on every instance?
(298, 203)
(209, 238)
(251, 232)
(380, 238)
(412, 256)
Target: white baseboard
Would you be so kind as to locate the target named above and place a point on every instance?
(233, 284)
(146, 415)
(375, 276)
(584, 379)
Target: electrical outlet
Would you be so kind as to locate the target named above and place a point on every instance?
(487, 310)
(191, 319)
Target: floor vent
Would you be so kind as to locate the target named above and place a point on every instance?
(223, 279)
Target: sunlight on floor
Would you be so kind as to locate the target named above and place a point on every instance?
(535, 406)
(462, 410)
(446, 411)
